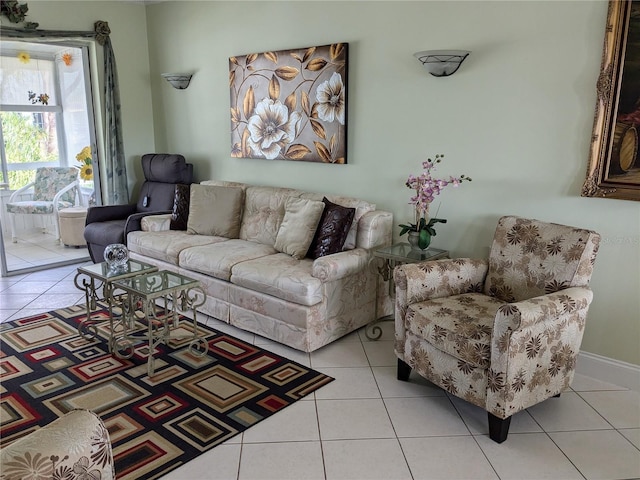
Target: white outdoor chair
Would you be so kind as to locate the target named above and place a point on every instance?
(54, 188)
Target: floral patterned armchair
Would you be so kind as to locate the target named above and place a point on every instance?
(75, 446)
(502, 333)
(54, 188)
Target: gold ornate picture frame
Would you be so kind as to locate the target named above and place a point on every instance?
(290, 104)
(614, 166)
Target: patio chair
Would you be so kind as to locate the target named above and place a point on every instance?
(53, 189)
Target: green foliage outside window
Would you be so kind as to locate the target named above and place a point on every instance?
(24, 142)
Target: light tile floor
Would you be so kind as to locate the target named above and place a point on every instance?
(34, 249)
(367, 425)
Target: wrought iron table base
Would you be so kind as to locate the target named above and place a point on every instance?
(391, 257)
(159, 322)
(373, 331)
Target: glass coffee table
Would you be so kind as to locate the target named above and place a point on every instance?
(394, 255)
(91, 279)
(151, 302)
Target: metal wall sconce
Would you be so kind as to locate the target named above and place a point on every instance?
(178, 80)
(441, 63)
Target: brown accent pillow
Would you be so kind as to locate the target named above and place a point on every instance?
(332, 231)
(180, 214)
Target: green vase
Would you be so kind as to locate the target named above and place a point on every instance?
(419, 240)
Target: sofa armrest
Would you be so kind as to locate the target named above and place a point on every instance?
(133, 221)
(375, 229)
(104, 213)
(156, 223)
(340, 265)
(76, 442)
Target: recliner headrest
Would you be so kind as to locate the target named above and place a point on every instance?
(166, 168)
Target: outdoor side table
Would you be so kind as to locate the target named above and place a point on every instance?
(91, 279)
(151, 302)
(394, 255)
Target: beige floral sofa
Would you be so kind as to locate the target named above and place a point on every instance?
(75, 446)
(502, 333)
(256, 277)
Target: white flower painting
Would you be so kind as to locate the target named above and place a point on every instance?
(290, 104)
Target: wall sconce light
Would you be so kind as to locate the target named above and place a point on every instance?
(442, 63)
(178, 80)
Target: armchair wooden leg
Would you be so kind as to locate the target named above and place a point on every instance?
(498, 428)
(403, 371)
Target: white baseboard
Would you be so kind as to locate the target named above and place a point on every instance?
(609, 370)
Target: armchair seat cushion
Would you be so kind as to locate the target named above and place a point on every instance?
(460, 325)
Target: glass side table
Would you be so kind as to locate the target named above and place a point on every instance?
(153, 299)
(91, 278)
(394, 255)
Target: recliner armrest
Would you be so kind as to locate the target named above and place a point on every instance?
(104, 213)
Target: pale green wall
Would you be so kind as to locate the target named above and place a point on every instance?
(516, 117)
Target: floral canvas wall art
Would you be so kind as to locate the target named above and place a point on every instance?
(290, 104)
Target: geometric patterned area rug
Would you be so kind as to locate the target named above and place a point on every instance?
(190, 405)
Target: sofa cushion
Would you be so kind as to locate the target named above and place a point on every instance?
(225, 183)
(166, 245)
(281, 276)
(217, 259)
(263, 213)
(361, 207)
(332, 230)
(301, 217)
(215, 210)
(180, 214)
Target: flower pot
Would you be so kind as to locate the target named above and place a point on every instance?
(418, 241)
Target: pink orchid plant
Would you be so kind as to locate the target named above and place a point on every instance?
(426, 188)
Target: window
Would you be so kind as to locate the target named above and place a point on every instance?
(46, 117)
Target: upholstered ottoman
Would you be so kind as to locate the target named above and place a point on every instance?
(72, 222)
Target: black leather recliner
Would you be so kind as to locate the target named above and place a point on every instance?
(109, 224)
